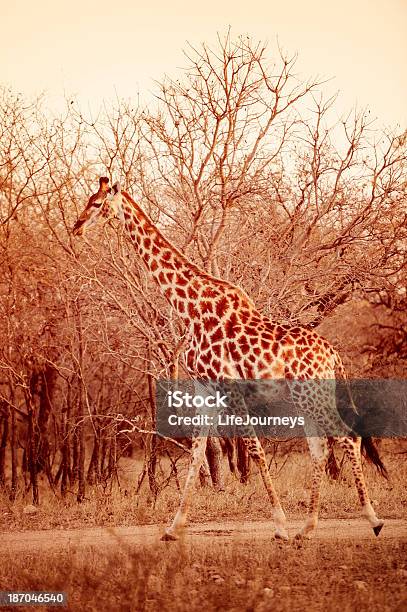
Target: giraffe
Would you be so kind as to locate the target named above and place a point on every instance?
(228, 338)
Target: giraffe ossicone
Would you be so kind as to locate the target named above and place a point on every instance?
(228, 338)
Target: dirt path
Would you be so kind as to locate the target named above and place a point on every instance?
(142, 535)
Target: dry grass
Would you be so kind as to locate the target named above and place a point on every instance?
(239, 502)
(236, 575)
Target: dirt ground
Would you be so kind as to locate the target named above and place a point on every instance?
(142, 535)
(228, 566)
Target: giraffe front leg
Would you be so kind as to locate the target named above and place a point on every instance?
(257, 452)
(319, 454)
(352, 449)
(198, 455)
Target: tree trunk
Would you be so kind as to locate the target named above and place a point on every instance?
(75, 455)
(80, 422)
(81, 459)
(243, 460)
(46, 393)
(66, 474)
(229, 447)
(151, 446)
(214, 456)
(104, 457)
(14, 465)
(3, 444)
(112, 467)
(93, 475)
(32, 446)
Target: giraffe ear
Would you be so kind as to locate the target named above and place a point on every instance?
(116, 188)
(104, 184)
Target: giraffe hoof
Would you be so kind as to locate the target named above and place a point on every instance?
(378, 528)
(303, 536)
(281, 536)
(169, 537)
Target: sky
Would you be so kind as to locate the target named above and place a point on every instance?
(96, 50)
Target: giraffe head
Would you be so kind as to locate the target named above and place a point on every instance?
(106, 203)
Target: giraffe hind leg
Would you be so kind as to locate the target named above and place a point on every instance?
(318, 447)
(351, 446)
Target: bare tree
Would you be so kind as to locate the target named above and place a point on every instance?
(245, 168)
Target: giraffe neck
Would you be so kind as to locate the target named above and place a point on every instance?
(189, 289)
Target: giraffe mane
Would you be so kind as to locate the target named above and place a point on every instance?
(200, 272)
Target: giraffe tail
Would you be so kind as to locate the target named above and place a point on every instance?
(370, 451)
(368, 446)
(340, 374)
